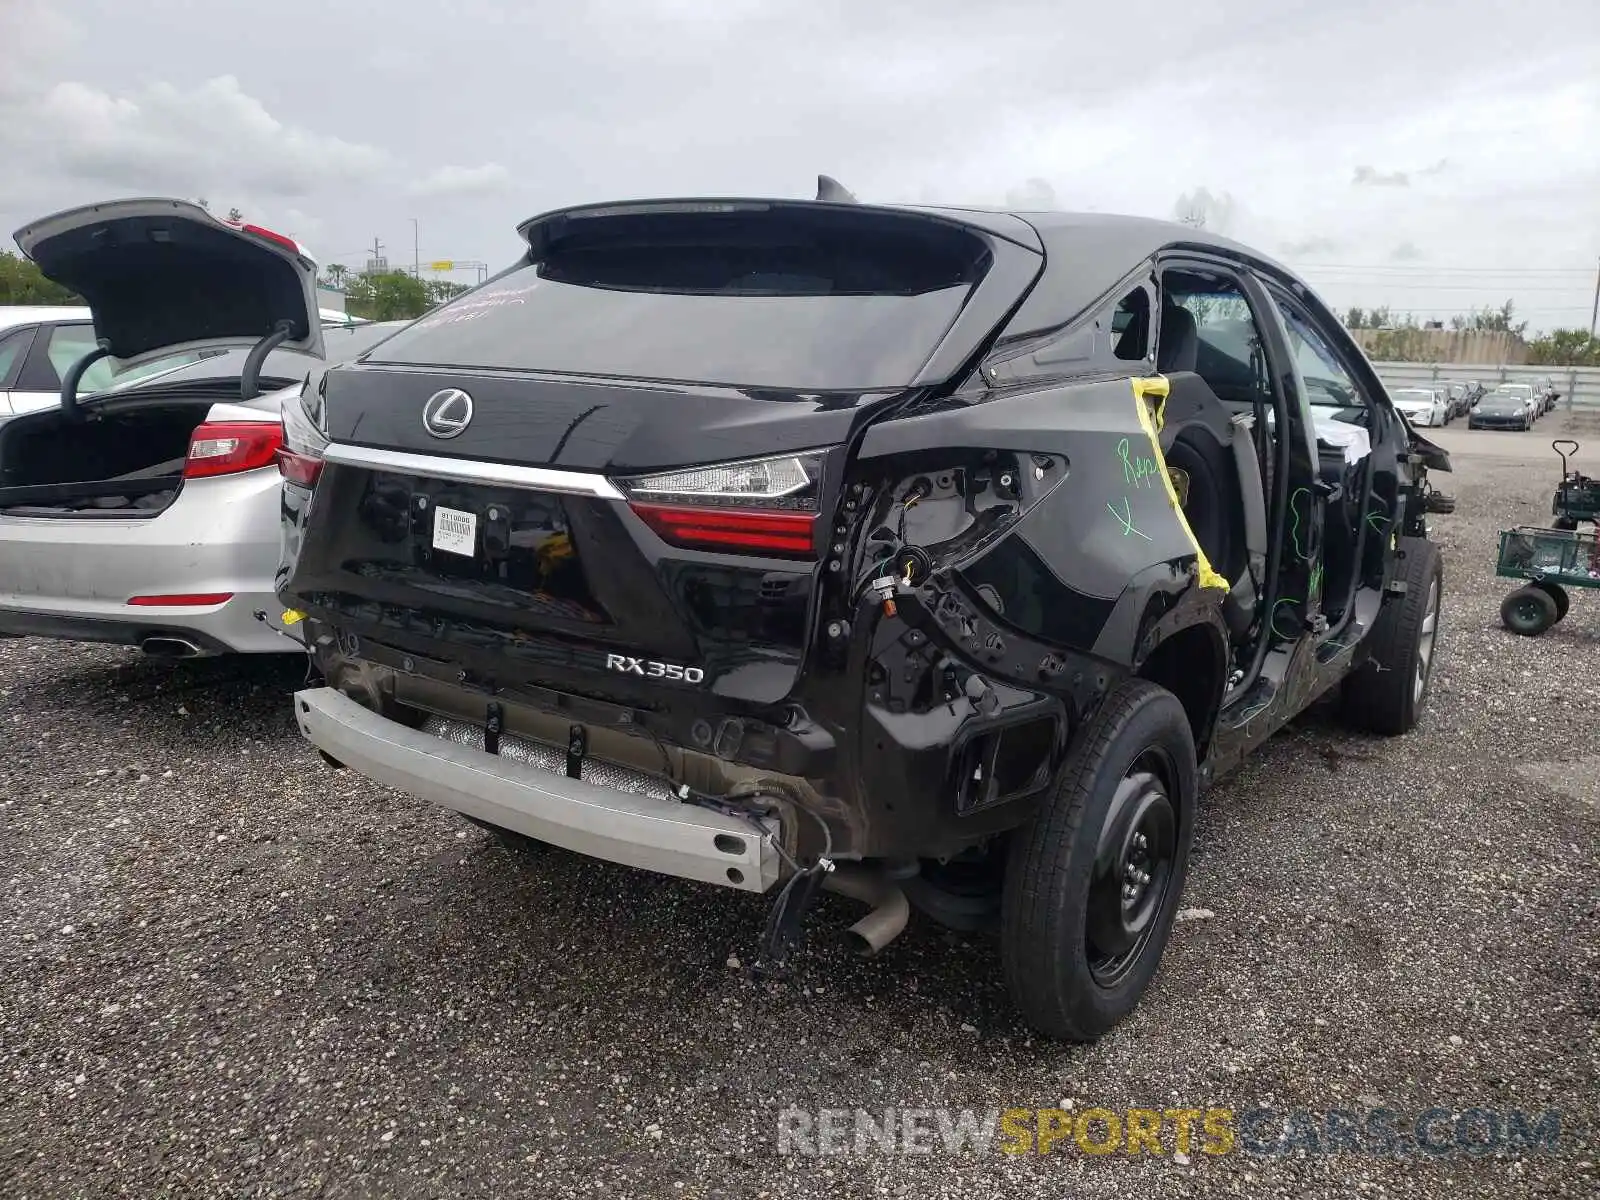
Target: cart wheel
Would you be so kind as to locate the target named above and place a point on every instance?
(1528, 611)
(1557, 593)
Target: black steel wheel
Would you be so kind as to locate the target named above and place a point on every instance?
(1528, 611)
(1093, 881)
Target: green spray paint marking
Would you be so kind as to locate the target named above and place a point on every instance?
(1138, 470)
(1299, 550)
(1125, 519)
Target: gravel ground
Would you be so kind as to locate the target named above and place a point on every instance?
(229, 971)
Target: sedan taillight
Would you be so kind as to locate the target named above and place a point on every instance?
(228, 447)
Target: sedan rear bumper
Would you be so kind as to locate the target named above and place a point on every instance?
(648, 832)
(219, 629)
(72, 577)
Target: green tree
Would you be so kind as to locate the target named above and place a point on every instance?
(1565, 348)
(1490, 320)
(22, 283)
(1374, 318)
(335, 275)
(440, 290)
(391, 296)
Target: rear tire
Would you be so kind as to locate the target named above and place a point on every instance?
(1093, 882)
(1557, 593)
(1529, 611)
(1388, 692)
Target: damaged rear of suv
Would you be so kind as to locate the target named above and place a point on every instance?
(935, 557)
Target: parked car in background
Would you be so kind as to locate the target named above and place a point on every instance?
(1546, 388)
(1525, 392)
(1422, 406)
(798, 545)
(1458, 398)
(146, 512)
(1501, 410)
(39, 344)
(1470, 391)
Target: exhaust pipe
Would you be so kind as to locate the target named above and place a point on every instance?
(169, 647)
(890, 908)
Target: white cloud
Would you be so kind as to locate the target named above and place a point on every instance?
(1035, 195)
(212, 140)
(461, 181)
(213, 136)
(1502, 176)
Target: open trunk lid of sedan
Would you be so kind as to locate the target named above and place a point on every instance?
(614, 468)
(161, 277)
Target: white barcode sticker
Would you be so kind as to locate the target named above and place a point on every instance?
(454, 531)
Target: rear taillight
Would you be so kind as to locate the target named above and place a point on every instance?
(298, 468)
(228, 447)
(300, 457)
(754, 531)
(762, 506)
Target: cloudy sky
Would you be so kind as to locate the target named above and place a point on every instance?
(1428, 156)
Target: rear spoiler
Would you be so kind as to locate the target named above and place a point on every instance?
(249, 378)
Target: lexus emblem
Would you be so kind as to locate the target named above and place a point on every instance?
(447, 413)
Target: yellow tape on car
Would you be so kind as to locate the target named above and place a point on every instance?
(1152, 418)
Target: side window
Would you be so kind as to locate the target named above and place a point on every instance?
(69, 343)
(12, 347)
(1327, 383)
(1130, 326)
(1207, 327)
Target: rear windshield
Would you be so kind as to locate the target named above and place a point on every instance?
(809, 299)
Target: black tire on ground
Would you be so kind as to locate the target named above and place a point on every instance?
(1079, 948)
(1557, 593)
(1568, 524)
(1388, 692)
(1529, 611)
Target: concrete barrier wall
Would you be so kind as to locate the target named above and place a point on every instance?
(1579, 386)
(1442, 345)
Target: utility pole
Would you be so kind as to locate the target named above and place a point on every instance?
(1594, 315)
(416, 253)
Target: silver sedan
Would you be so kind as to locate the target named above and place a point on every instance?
(147, 514)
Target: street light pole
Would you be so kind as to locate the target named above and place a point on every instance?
(1594, 315)
(416, 253)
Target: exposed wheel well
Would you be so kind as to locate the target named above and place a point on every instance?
(1190, 665)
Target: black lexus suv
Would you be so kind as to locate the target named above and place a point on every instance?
(936, 557)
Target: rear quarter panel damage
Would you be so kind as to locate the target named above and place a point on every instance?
(1092, 570)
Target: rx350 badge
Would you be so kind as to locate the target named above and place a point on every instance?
(653, 670)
